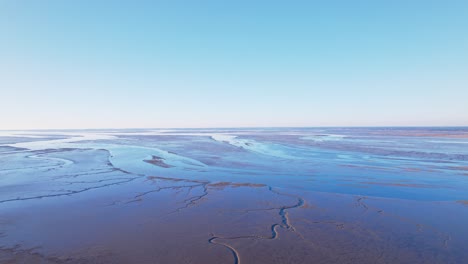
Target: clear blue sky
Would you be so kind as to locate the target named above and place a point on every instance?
(103, 64)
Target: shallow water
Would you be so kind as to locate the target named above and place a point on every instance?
(292, 195)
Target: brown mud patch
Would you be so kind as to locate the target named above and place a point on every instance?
(158, 161)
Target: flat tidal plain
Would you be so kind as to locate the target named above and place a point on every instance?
(286, 195)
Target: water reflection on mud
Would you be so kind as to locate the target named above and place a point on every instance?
(336, 195)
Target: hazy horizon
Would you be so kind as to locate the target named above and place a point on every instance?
(238, 127)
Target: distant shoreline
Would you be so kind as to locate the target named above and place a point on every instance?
(241, 128)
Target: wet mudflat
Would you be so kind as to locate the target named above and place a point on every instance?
(336, 195)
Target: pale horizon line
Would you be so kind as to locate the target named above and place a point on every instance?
(237, 127)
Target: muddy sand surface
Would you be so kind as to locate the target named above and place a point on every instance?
(238, 196)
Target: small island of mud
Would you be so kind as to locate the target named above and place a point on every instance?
(158, 161)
